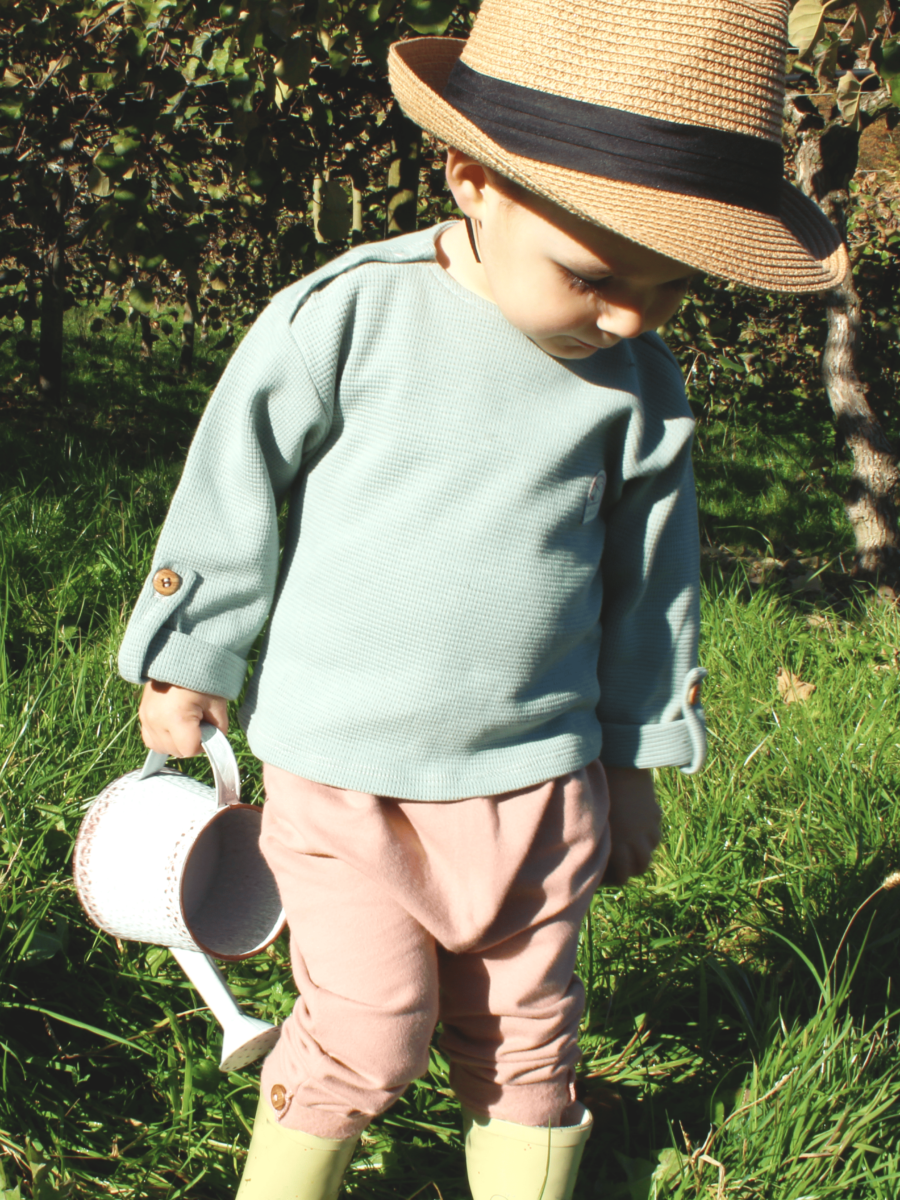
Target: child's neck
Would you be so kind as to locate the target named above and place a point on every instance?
(454, 254)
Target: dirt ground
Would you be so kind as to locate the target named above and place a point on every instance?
(879, 149)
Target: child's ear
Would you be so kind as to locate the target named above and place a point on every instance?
(467, 180)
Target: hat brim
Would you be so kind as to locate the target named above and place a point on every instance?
(798, 250)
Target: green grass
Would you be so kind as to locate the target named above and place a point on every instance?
(741, 1036)
(772, 490)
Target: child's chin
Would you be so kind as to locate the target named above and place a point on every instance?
(566, 347)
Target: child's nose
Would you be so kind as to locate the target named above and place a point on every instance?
(628, 315)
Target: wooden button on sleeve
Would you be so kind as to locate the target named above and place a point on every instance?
(166, 581)
(694, 695)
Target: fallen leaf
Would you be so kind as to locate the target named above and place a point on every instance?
(792, 687)
(817, 620)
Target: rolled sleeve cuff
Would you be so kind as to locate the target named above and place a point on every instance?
(663, 744)
(153, 649)
(189, 662)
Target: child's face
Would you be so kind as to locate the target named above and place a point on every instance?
(570, 286)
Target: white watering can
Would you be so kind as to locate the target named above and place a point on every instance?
(162, 858)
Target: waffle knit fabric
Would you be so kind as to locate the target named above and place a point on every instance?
(490, 569)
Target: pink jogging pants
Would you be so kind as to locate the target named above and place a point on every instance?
(405, 913)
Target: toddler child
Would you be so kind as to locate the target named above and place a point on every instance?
(482, 628)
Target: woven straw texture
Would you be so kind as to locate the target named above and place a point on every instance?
(719, 65)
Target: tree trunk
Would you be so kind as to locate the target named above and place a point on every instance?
(356, 228)
(317, 206)
(188, 328)
(31, 309)
(147, 336)
(871, 501)
(403, 173)
(825, 163)
(53, 298)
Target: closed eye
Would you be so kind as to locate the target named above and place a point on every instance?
(585, 286)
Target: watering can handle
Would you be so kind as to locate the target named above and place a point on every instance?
(218, 750)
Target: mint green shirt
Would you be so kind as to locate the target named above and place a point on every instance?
(490, 570)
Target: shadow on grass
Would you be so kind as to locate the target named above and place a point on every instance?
(118, 407)
(771, 485)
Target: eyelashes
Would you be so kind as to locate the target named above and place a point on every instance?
(585, 287)
(593, 287)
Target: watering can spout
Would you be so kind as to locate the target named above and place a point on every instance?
(245, 1039)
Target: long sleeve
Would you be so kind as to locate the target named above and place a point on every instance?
(220, 538)
(650, 567)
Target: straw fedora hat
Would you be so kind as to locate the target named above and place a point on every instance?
(659, 119)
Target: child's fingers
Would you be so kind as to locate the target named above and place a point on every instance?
(178, 736)
(170, 718)
(630, 858)
(216, 712)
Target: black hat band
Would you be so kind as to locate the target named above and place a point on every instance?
(695, 160)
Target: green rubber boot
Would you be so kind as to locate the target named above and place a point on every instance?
(285, 1164)
(521, 1162)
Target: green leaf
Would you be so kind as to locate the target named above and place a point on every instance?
(218, 60)
(117, 271)
(133, 193)
(886, 56)
(218, 279)
(100, 81)
(42, 947)
(7, 1192)
(869, 11)
(42, 1185)
(207, 1076)
(826, 63)
(241, 90)
(849, 94)
(13, 109)
(433, 16)
(182, 190)
(134, 44)
(293, 66)
(335, 215)
(98, 183)
(109, 164)
(804, 24)
(126, 146)
(141, 298)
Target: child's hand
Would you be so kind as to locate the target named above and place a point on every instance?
(171, 716)
(634, 822)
